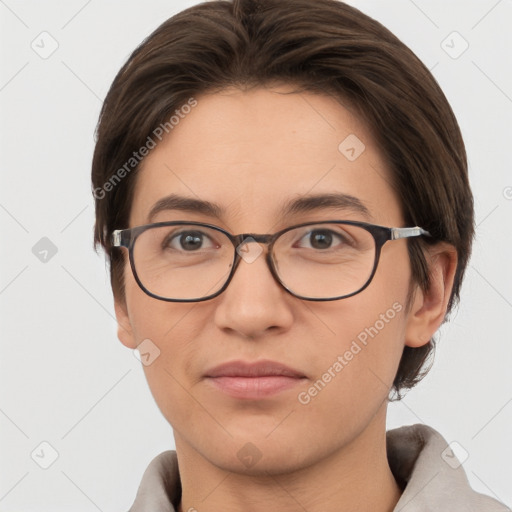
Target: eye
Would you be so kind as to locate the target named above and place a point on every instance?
(189, 241)
(322, 239)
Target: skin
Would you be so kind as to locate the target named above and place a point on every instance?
(249, 152)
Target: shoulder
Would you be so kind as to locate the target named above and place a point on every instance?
(160, 486)
(431, 475)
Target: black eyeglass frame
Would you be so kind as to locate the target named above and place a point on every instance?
(381, 234)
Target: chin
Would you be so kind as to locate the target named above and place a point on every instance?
(254, 461)
(255, 452)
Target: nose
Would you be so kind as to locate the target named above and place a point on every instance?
(254, 303)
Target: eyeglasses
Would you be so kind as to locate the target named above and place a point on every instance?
(317, 261)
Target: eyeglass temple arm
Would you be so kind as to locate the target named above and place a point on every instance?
(397, 233)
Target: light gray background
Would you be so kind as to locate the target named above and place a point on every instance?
(64, 377)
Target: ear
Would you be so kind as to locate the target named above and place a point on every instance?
(124, 327)
(429, 308)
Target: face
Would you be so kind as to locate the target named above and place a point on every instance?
(250, 153)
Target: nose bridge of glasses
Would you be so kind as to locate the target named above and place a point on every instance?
(248, 245)
(254, 237)
(241, 242)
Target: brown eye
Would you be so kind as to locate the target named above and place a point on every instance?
(321, 239)
(189, 241)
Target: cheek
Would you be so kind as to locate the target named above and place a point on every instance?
(155, 319)
(357, 368)
(360, 359)
(354, 374)
(172, 332)
(169, 332)
(165, 331)
(171, 328)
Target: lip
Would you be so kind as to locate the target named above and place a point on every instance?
(253, 380)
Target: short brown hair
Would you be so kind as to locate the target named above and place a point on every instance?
(321, 46)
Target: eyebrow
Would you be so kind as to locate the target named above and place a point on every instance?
(336, 201)
(303, 204)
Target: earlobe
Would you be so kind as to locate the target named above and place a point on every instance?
(124, 327)
(429, 308)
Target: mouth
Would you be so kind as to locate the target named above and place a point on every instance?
(253, 381)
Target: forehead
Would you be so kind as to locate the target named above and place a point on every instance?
(252, 153)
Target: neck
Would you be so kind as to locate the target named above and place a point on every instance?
(355, 477)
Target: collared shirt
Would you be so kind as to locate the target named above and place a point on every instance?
(419, 457)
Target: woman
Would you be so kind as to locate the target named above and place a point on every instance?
(282, 192)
